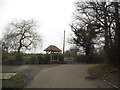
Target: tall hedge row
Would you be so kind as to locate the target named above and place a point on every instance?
(18, 59)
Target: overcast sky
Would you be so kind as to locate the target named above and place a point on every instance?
(53, 16)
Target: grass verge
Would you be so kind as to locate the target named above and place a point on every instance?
(105, 72)
(17, 81)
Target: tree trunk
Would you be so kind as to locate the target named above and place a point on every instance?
(106, 33)
(117, 34)
(20, 46)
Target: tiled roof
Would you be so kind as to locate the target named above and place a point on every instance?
(52, 48)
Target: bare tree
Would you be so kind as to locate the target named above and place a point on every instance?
(21, 35)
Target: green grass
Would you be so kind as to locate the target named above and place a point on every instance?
(6, 75)
(97, 70)
(105, 72)
(17, 81)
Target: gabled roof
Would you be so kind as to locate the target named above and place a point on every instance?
(53, 48)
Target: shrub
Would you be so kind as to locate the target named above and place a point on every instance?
(47, 58)
(8, 59)
(26, 59)
(40, 59)
(90, 59)
(32, 59)
(61, 59)
(12, 58)
(18, 59)
(43, 58)
(80, 58)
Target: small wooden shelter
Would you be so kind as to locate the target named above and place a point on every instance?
(54, 53)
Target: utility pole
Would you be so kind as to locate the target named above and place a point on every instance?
(64, 43)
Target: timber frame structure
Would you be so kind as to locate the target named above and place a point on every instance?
(54, 52)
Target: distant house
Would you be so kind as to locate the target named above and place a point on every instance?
(54, 52)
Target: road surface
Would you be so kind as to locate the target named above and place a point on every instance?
(66, 76)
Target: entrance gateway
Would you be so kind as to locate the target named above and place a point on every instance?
(54, 52)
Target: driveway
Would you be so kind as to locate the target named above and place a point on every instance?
(19, 68)
(66, 76)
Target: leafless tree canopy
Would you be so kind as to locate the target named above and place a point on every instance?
(21, 35)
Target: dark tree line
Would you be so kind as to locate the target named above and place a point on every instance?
(98, 23)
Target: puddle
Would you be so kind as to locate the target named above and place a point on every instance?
(90, 78)
(6, 75)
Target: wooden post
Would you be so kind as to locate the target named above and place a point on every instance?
(50, 57)
(53, 56)
(47, 52)
(57, 57)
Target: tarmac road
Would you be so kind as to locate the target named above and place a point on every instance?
(66, 76)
